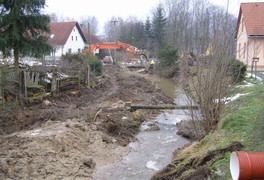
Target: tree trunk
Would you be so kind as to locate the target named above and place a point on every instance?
(16, 63)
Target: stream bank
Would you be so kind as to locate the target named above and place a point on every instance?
(153, 150)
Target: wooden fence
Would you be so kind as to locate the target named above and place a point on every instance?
(27, 88)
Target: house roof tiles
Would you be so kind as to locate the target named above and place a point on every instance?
(60, 32)
(253, 17)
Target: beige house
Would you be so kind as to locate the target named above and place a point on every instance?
(250, 34)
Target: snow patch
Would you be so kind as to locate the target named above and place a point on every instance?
(152, 165)
(248, 84)
(230, 99)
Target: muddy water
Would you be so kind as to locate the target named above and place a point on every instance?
(153, 150)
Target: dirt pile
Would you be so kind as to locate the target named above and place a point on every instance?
(57, 150)
(68, 136)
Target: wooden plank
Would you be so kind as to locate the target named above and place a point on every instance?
(54, 82)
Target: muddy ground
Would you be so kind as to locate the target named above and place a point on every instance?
(68, 136)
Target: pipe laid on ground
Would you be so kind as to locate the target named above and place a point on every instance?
(133, 107)
(247, 165)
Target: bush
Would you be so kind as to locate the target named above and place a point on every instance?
(168, 61)
(73, 61)
(96, 65)
(73, 57)
(237, 70)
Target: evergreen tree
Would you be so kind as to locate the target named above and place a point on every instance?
(123, 35)
(158, 27)
(139, 35)
(23, 29)
(148, 33)
(132, 32)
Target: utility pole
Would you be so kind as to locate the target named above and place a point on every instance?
(115, 37)
(89, 37)
(227, 11)
(87, 72)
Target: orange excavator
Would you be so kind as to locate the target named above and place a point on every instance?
(94, 48)
(113, 45)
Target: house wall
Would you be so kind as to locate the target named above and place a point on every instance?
(242, 42)
(75, 43)
(256, 49)
(247, 47)
(59, 51)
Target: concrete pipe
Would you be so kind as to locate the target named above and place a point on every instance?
(247, 165)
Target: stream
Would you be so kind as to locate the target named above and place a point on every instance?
(154, 149)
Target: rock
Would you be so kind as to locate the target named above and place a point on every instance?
(89, 162)
(4, 166)
(124, 118)
(153, 127)
(107, 139)
(93, 127)
(47, 102)
(79, 126)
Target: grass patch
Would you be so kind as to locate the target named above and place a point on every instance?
(245, 123)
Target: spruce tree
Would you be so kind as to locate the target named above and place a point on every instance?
(23, 29)
(158, 27)
(148, 33)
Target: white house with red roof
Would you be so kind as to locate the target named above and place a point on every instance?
(250, 34)
(66, 37)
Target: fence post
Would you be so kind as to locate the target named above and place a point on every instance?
(2, 88)
(1, 85)
(54, 82)
(79, 80)
(88, 69)
(25, 85)
(22, 87)
(87, 76)
(36, 79)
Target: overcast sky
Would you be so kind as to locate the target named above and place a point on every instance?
(103, 10)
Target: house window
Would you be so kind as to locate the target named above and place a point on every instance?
(79, 50)
(69, 50)
(244, 52)
(239, 51)
(76, 38)
(72, 38)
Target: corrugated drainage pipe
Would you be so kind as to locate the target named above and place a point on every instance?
(247, 165)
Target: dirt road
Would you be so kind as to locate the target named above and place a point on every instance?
(67, 137)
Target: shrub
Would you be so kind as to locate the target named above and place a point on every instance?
(168, 61)
(237, 70)
(95, 64)
(73, 57)
(73, 61)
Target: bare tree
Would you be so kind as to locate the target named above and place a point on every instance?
(112, 28)
(193, 24)
(93, 23)
(207, 79)
(55, 18)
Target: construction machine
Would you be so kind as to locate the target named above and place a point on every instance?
(95, 48)
(113, 45)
